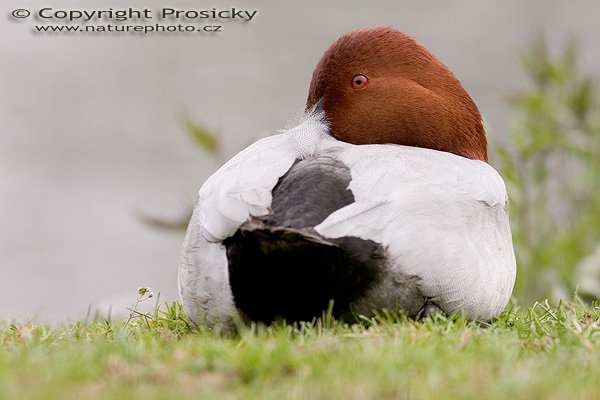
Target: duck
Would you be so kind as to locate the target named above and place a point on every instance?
(380, 197)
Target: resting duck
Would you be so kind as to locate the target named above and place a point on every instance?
(381, 197)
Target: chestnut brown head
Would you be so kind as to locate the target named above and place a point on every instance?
(379, 85)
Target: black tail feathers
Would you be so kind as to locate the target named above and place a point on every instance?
(279, 266)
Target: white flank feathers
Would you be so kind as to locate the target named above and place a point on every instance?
(441, 217)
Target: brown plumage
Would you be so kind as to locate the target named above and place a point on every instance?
(411, 97)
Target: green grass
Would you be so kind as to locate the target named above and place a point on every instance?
(543, 352)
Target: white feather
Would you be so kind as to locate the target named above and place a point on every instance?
(442, 218)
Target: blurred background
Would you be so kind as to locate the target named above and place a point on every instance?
(94, 133)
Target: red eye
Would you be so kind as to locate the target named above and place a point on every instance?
(359, 82)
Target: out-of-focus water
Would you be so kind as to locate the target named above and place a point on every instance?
(91, 133)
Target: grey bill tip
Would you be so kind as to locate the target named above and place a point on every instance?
(319, 105)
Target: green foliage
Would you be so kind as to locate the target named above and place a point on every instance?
(205, 138)
(552, 170)
(538, 352)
